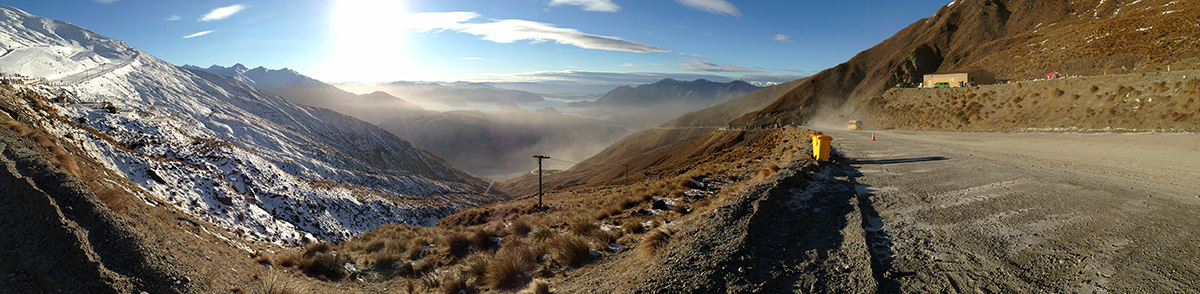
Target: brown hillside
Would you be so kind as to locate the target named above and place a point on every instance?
(1163, 101)
(1011, 38)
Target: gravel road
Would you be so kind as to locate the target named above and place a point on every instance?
(1029, 212)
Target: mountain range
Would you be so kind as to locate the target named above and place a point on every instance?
(220, 149)
(372, 107)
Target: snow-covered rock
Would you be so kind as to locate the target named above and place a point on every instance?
(221, 149)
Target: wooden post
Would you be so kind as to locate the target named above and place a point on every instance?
(539, 159)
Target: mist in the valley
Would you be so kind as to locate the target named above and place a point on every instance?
(500, 144)
(493, 131)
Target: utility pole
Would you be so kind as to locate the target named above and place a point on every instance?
(539, 159)
(626, 174)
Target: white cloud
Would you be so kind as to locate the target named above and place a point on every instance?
(693, 64)
(512, 30)
(783, 38)
(630, 65)
(712, 6)
(106, 1)
(223, 12)
(172, 18)
(656, 64)
(197, 34)
(590, 5)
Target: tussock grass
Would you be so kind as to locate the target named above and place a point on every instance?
(654, 242)
(568, 250)
(280, 283)
(538, 286)
(510, 267)
(456, 243)
(519, 227)
(542, 233)
(449, 282)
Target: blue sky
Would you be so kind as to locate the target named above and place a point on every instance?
(594, 41)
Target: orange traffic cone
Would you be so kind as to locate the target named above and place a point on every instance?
(872, 136)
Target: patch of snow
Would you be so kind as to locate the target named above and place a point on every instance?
(1144, 29)
(1169, 12)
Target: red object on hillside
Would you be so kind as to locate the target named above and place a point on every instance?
(1053, 75)
(872, 136)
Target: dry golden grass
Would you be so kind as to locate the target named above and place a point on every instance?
(538, 286)
(568, 250)
(654, 242)
(280, 283)
(449, 282)
(519, 227)
(456, 243)
(510, 267)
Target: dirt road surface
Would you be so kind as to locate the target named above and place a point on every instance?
(1028, 212)
(943, 212)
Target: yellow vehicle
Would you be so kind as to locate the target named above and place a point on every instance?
(855, 125)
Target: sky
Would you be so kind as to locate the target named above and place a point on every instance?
(585, 41)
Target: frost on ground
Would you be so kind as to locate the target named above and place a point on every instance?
(222, 150)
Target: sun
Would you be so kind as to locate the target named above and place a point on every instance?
(368, 42)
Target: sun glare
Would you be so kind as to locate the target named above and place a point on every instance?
(369, 42)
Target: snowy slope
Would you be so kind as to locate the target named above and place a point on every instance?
(261, 77)
(223, 150)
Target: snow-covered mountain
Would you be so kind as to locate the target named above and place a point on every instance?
(300, 89)
(222, 150)
(261, 77)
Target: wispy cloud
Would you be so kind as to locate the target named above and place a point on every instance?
(783, 38)
(630, 65)
(712, 6)
(106, 1)
(197, 34)
(472, 58)
(590, 5)
(223, 12)
(512, 30)
(172, 18)
(693, 64)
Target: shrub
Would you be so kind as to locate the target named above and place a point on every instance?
(627, 203)
(423, 265)
(569, 250)
(520, 227)
(633, 227)
(289, 261)
(538, 286)
(583, 227)
(542, 234)
(328, 265)
(456, 243)
(384, 260)
(476, 264)
(315, 248)
(654, 242)
(415, 250)
(450, 282)
(509, 268)
(277, 283)
(482, 239)
(264, 260)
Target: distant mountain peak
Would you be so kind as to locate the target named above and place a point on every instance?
(667, 91)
